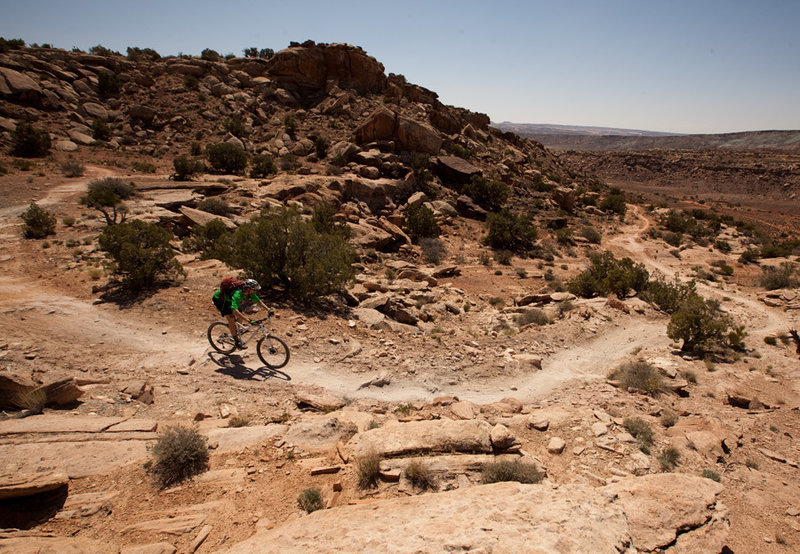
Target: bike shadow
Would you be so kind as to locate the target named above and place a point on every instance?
(233, 365)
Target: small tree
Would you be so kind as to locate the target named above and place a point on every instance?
(210, 55)
(38, 222)
(508, 231)
(187, 167)
(608, 275)
(266, 53)
(226, 157)
(28, 142)
(108, 84)
(251, 52)
(701, 326)
(261, 166)
(488, 194)
(107, 195)
(140, 253)
(421, 223)
(100, 130)
(614, 201)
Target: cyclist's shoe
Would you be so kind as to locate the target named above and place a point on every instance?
(240, 346)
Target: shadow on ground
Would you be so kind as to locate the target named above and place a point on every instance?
(233, 366)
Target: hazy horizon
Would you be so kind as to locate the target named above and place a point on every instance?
(662, 66)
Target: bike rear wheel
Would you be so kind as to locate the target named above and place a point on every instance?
(273, 352)
(220, 338)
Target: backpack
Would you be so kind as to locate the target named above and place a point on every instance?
(229, 285)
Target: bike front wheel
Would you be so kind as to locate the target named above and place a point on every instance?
(220, 338)
(273, 352)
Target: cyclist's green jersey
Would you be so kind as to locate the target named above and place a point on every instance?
(236, 298)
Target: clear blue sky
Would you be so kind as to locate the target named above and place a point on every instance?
(679, 66)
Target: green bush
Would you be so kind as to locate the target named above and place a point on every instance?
(214, 205)
(608, 275)
(702, 326)
(290, 124)
(262, 165)
(281, 248)
(638, 375)
(212, 240)
(37, 222)
(235, 126)
(100, 50)
(226, 157)
(180, 453)
(668, 296)
(187, 167)
(711, 474)
(108, 84)
(420, 170)
(749, 256)
(669, 458)
(511, 471)
(100, 130)
(420, 476)
(488, 194)
(106, 195)
(11, 44)
(781, 277)
(136, 54)
(28, 142)
(266, 53)
(641, 431)
(508, 231)
(140, 253)
(321, 145)
(143, 167)
(503, 257)
(210, 55)
(421, 223)
(614, 201)
(723, 246)
(310, 500)
(71, 168)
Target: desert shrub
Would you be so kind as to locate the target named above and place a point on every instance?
(564, 236)
(723, 246)
(779, 249)
(609, 275)
(29, 142)
(669, 458)
(614, 201)
(420, 171)
(143, 167)
(781, 277)
(261, 166)
(140, 253)
(535, 316)
(711, 474)
(770, 340)
(749, 256)
(488, 194)
(235, 126)
(214, 205)
(368, 468)
(68, 220)
(191, 82)
(282, 249)
(638, 375)
(251, 52)
(323, 219)
(420, 476)
(100, 50)
(668, 296)
(212, 240)
(100, 130)
(721, 267)
(288, 162)
(508, 231)
(71, 168)
(503, 257)
(180, 453)
(108, 84)
(641, 431)
(421, 223)
(668, 418)
(137, 54)
(210, 55)
(37, 222)
(11, 44)
(237, 421)
(701, 326)
(591, 234)
(496, 302)
(195, 149)
(187, 167)
(266, 53)
(321, 145)
(226, 157)
(106, 195)
(511, 471)
(433, 250)
(673, 239)
(290, 125)
(310, 500)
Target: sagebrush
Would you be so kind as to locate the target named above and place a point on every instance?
(179, 453)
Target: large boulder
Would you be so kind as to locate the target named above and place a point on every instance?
(414, 136)
(308, 69)
(455, 171)
(444, 435)
(19, 86)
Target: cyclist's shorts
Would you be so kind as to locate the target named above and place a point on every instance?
(224, 307)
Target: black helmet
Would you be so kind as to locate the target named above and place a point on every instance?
(251, 284)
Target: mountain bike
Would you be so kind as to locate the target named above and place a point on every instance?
(270, 349)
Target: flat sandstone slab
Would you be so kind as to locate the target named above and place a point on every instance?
(76, 459)
(58, 424)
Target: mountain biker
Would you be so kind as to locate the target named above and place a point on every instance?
(229, 303)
